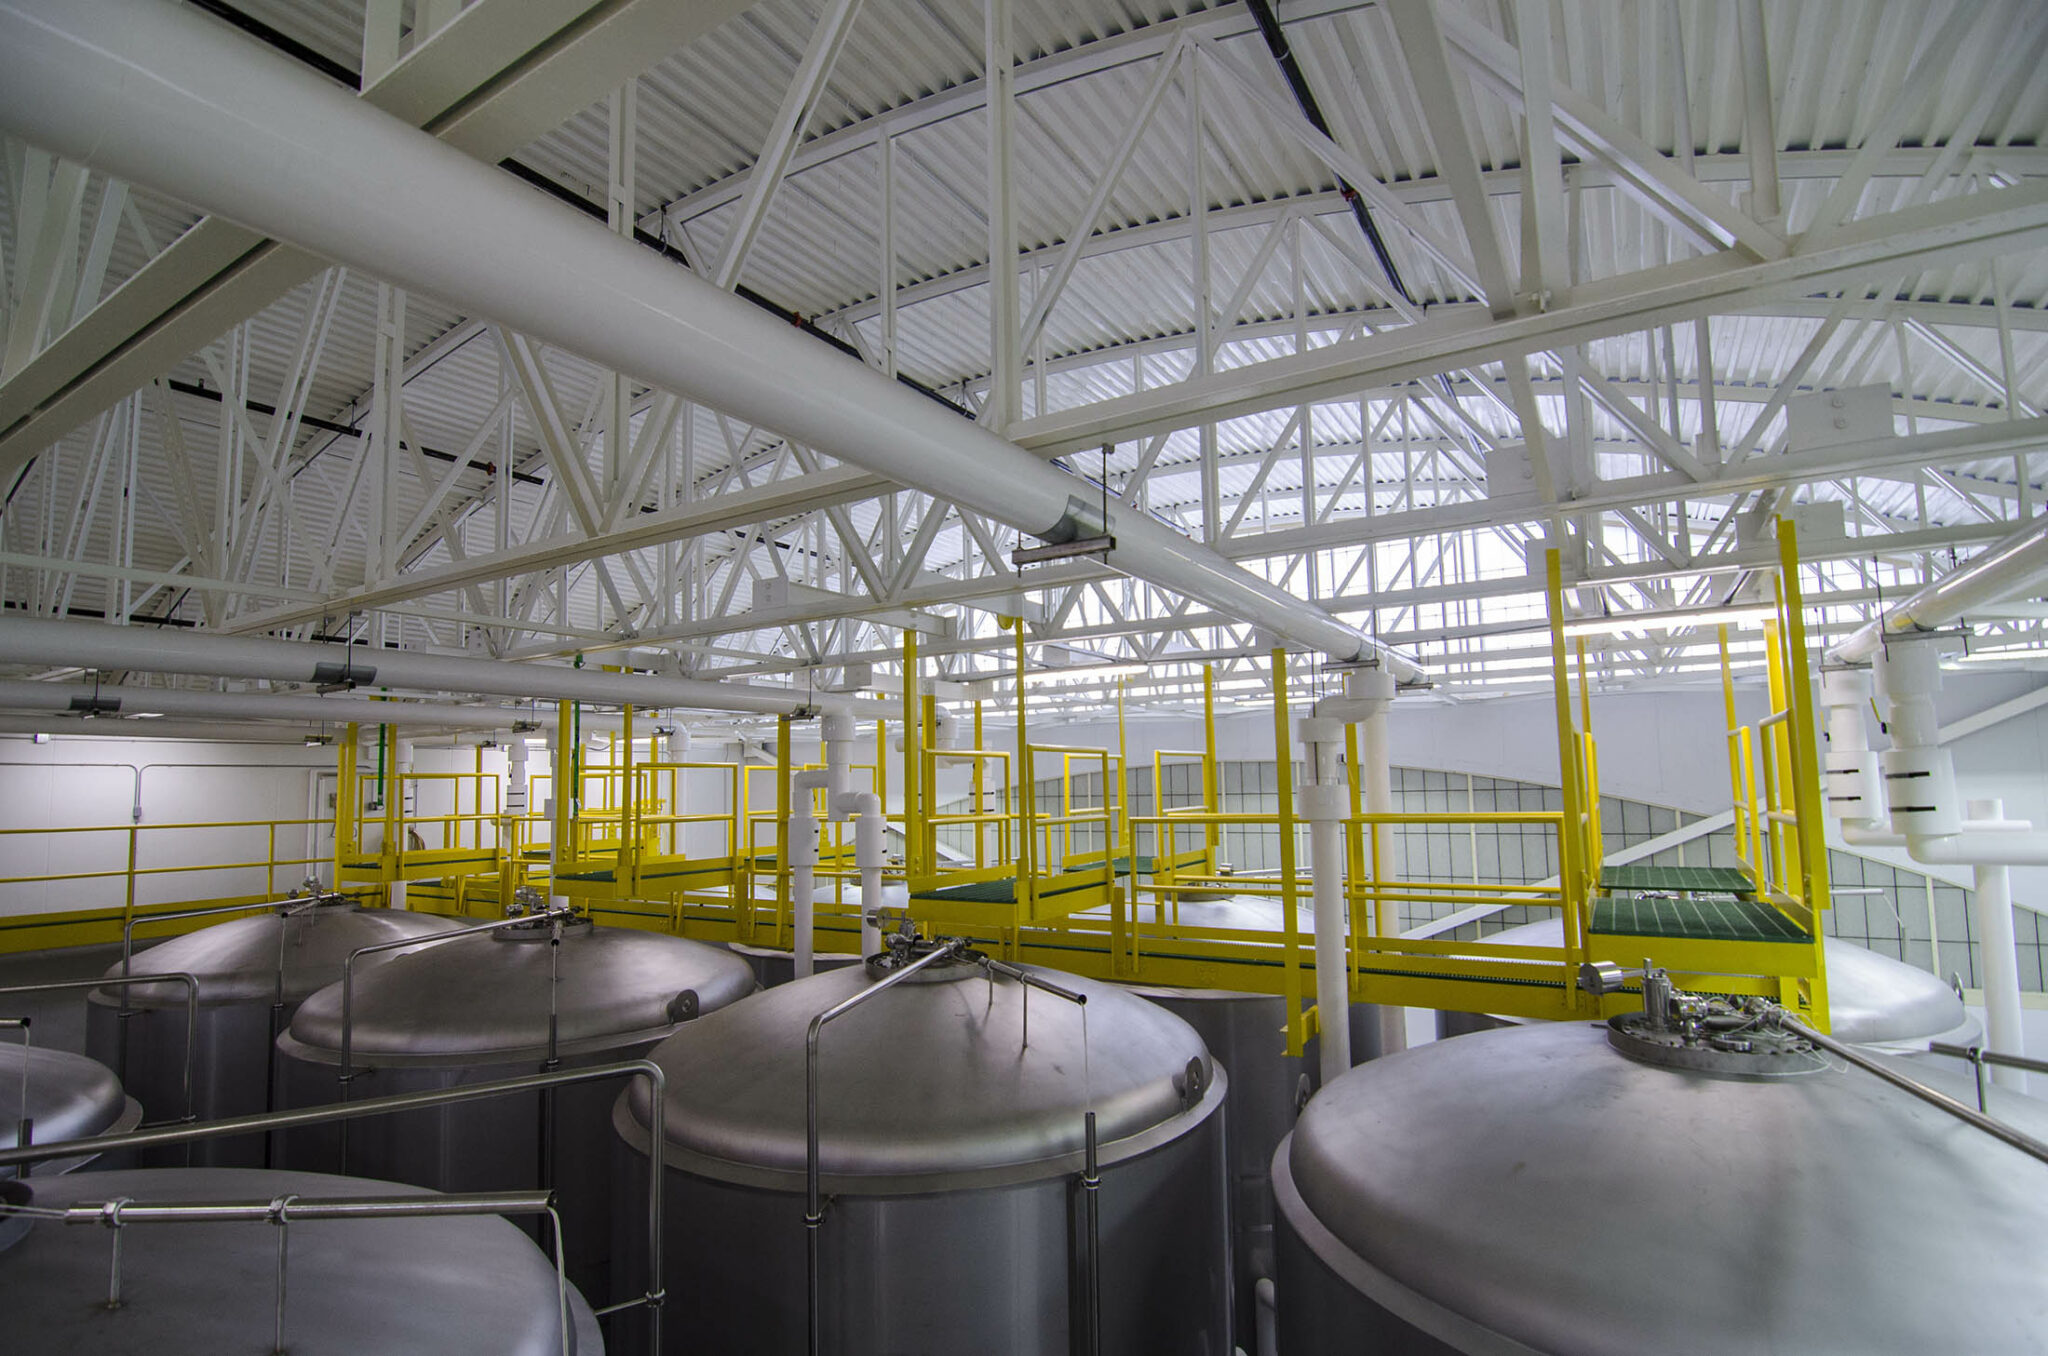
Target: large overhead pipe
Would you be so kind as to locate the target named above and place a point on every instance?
(91, 645)
(163, 96)
(1993, 575)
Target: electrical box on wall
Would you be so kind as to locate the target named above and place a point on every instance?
(1859, 414)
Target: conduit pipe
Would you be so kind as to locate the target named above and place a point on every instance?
(116, 699)
(163, 96)
(1914, 805)
(91, 645)
(1324, 801)
(842, 803)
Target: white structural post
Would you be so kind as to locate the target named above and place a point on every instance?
(1998, 956)
(1376, 771)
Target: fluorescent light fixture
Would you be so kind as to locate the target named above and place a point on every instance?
(1666, 621)
(1088, 674)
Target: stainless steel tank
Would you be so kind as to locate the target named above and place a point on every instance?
(477, 1008)
(951, 1151)
(1538, 1189)
(772, 966)
(61, 1096)
(1246, 1032)
(244, 1001)
(433, 1285)
(1872, 999)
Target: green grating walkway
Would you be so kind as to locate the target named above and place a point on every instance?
(995, 891)
(1720, 920)
(1122, 864)
(1717, 880)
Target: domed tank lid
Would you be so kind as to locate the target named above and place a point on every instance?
(486, 996)
(442, 1284)
(927, 1084)
(69, 1096)
(1541, 1184)
(1871, 998)
(236, 962)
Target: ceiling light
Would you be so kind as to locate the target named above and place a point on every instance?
(1666, 621)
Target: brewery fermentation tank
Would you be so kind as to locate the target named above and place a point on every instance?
(951, 1153)
(1872, 999)
(1572, 1187)
(432, 1286)
(51, 1095)
(252, 974)
(478, 1007)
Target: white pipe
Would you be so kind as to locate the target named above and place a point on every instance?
(163, 96)
(89, 645)
(515, 776)
(802, 832)
(1852, 789)
(1998, 951)
(1321, 802)
(1992, 576)
(1376, 772)
(868, 854)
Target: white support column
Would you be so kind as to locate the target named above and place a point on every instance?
(885, 146)
(1005, 391)
(1998, 956)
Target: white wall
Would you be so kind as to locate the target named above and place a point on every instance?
(94, 782)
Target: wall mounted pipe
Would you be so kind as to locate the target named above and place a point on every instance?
(163, 96)
(91, 645)
(1994, 575)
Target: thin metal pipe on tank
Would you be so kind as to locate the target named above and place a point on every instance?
(814, 1214)
(348, 992)
(1999, 1130)
(657, 1091)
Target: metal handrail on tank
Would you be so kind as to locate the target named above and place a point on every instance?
(2018, 1139)
(952, 948)
(124, 983)
(553, 915)
(1979, 1057)
(1663, 1002)
(657, 1087)
(122, 1212)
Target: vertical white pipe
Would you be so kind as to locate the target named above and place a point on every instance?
(1322, 803)
(1998, 953)
(868, 852)
(1376, 772)
(802, 831)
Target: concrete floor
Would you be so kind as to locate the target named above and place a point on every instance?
(57, 1019)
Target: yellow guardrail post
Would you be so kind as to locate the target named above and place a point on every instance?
(1573, 885)
(1212, 796)
(1810, 827)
